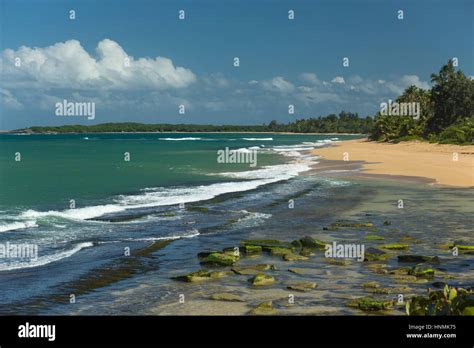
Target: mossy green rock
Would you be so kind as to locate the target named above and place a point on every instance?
(306, 252)
(310, 242)
(200, 276)
(262, 280)
(373, 237)
(267, 243)
(395, 246)
(226, 296)
(252, 269)
(374, 254)
(251, 249)
(264, 308)
(370, 304)
(338, 262)
(372, 284)
(465, 247)
(294, 257)
(277, 251)
(302, 286)
(339, 224)
(220, 259)
(421, 272)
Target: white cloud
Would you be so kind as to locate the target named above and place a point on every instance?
(9, 100)
(278, 84)
(67, 65)
(310, 77)
(338, 79)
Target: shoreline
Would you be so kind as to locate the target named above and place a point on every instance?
(431, 163)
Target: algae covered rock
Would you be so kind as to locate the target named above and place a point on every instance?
(373, 237)
(264, 308)
(277, 251)
(338, 262)
(200, 276)
(306, 252)
(371, 284)
(422, 272)
(267, 243)
(302, 286)
(369, 303)
(250, 249)
(395, 246)
(310, 242)
(374, 254)
(262, 279)
(220, 259)
(226, 296)
(294, 257)
(339, 224)
(252, 269)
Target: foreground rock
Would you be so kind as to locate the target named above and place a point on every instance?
(395, 246)
(264, 308)
(252, 269)
(374, 254)
(220, 259)
(262, 280)
(200, 276)
(302, 286)
(369, 303)
(226, 296)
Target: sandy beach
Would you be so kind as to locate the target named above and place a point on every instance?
(449, 165)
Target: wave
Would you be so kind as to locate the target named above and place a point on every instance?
(258, 139)
(179, 139)
(17, 225)
(44, 260)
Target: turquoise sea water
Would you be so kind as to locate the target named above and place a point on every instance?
(120, 204)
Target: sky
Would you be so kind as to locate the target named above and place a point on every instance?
(137, 61)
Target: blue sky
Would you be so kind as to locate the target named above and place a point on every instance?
(282, 61)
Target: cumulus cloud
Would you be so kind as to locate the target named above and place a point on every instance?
(310, 77)
(338, 79)
(68, 65)
(278, 84)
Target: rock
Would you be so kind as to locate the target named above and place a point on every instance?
(310, 242)
(204, 254)
(226, 296)
(395, 246)
(370, 304)
(200, 276)
(294, 257)
(339, 224)
(408, 239)
(250, 249)
(220, 259)
(306, 252)
(338, 262)
(371, 284)
(421, 272)
(252, 269)
(267, 243)
(302, 286)
(262, 280)
(402, 271)
(297, 244)
(387, 223)
(373, 237)
(277, 251)
(374, 254)
(418, 259)
(379, 290)
(264, 308)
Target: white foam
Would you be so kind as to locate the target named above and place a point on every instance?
(17, 225)
(258, 139)
(180, 139)
(44, 260)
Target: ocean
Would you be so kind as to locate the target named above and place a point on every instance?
(115, 216)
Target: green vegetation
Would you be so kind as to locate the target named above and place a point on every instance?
(345, 122)
(449, 301)
(446, 112)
